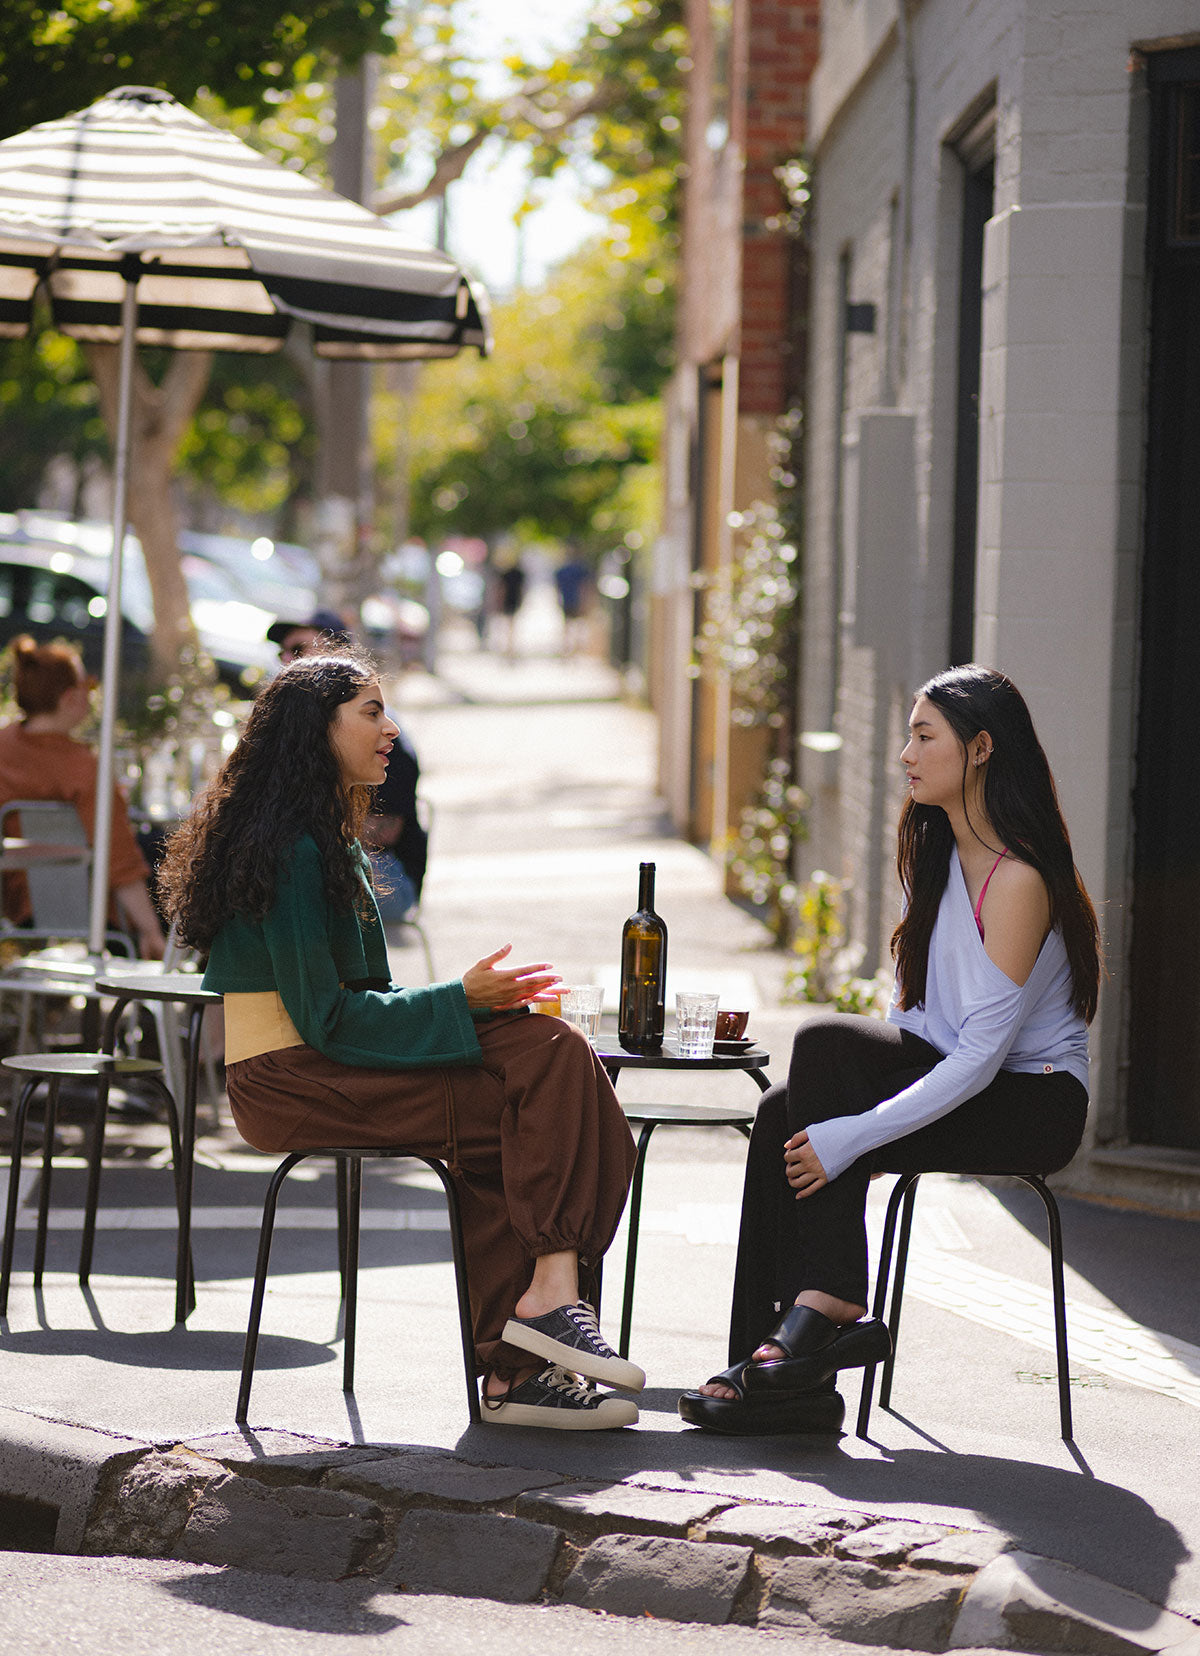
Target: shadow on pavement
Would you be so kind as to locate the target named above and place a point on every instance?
(1146, 1264)
(306, 1606)
(1080, 1519)
(176, 1349)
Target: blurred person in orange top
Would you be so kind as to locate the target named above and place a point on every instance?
(40, 759)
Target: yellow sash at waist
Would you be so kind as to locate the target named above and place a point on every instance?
(256, 1023)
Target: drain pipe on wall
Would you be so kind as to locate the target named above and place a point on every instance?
(726, 496)
(900, 300)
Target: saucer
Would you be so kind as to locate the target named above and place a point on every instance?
(731, 1048)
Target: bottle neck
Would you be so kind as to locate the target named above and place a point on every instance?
(646, 887)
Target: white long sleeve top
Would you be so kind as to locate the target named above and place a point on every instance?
(980, 1019)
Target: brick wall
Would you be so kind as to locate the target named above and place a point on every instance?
(782, 41)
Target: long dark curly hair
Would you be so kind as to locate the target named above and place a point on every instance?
(280, 782)
(1021, 802)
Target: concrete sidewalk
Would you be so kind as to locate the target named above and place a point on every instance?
(118, 1431)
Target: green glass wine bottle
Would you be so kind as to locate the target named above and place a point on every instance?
(643, 973)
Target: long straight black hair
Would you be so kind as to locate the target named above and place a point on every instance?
(1021, 802)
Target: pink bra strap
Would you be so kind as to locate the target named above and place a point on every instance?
(983, 892)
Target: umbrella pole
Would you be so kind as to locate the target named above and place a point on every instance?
(111, 671)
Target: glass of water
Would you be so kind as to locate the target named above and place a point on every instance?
(583, 1007)
(696, 1022)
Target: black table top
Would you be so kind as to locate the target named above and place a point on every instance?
(165, 986)
(613, 1056)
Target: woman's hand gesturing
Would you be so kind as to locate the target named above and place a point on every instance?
(515, 986)
(804, 1171)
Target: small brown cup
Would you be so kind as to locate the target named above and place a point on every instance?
(731, 1026)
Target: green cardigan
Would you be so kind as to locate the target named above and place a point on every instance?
(315, 957)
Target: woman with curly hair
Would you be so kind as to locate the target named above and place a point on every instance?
(268, 878)
(981, 1066)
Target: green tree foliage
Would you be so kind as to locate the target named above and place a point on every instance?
(547, 438)
(60, 58)
(556, 436)
(48, 406)
(558, 431)
(251, 444)
(615, 100)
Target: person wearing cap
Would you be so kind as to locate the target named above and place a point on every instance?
(395, 840)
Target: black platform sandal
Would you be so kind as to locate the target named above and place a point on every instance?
(816, 1348)
(819, 1410)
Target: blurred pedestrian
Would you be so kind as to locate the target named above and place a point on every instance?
(41, 759)
(573, 583)
(393, 834)
(510, 595)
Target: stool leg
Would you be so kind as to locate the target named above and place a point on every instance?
(631, 1246)
(260, 1283)
(898, 1275)
(1058, 1286)
(185, 1293)
(342, 1174)
(20, 1113)
(95, 1158)
(49, 1124)
(881, 1285)
(459, 1252)
(185, 1282)
(350, 1301)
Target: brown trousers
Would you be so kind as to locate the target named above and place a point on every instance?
(538, 1145)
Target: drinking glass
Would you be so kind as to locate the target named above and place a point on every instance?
(696, 1022)
(582, 1007)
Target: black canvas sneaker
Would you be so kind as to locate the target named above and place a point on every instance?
(562, 1402)
(571, 1336)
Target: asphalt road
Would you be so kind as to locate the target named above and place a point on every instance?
(141, 1607)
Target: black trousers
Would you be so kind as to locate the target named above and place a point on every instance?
(845, 1065)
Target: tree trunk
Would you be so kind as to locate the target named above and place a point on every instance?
(159, 419)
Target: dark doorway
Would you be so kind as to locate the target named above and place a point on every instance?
(976, 150)
(1164, 1091)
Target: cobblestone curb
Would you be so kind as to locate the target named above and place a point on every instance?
(422, 1520)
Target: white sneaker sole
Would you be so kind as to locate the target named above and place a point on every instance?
(612, 1411)
(613, 1371)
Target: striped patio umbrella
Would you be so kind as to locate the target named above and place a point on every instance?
(144, 224)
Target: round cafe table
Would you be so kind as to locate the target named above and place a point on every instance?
(751, 1061)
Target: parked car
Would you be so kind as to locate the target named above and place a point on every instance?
(277, 576)
(54, 580)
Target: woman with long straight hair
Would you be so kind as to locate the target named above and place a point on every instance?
(981, 1066)
(268, 878)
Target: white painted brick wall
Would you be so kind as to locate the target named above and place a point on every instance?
(1063, 368)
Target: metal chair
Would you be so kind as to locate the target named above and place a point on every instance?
(900, 1206)
(349, 1170)
(394, 930)
(50, 1070)
(55, 857)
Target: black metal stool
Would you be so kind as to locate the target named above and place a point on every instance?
(648, 1117)
(349, 1167)
(905, 1191)
(178, 989)
(50, 1070)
